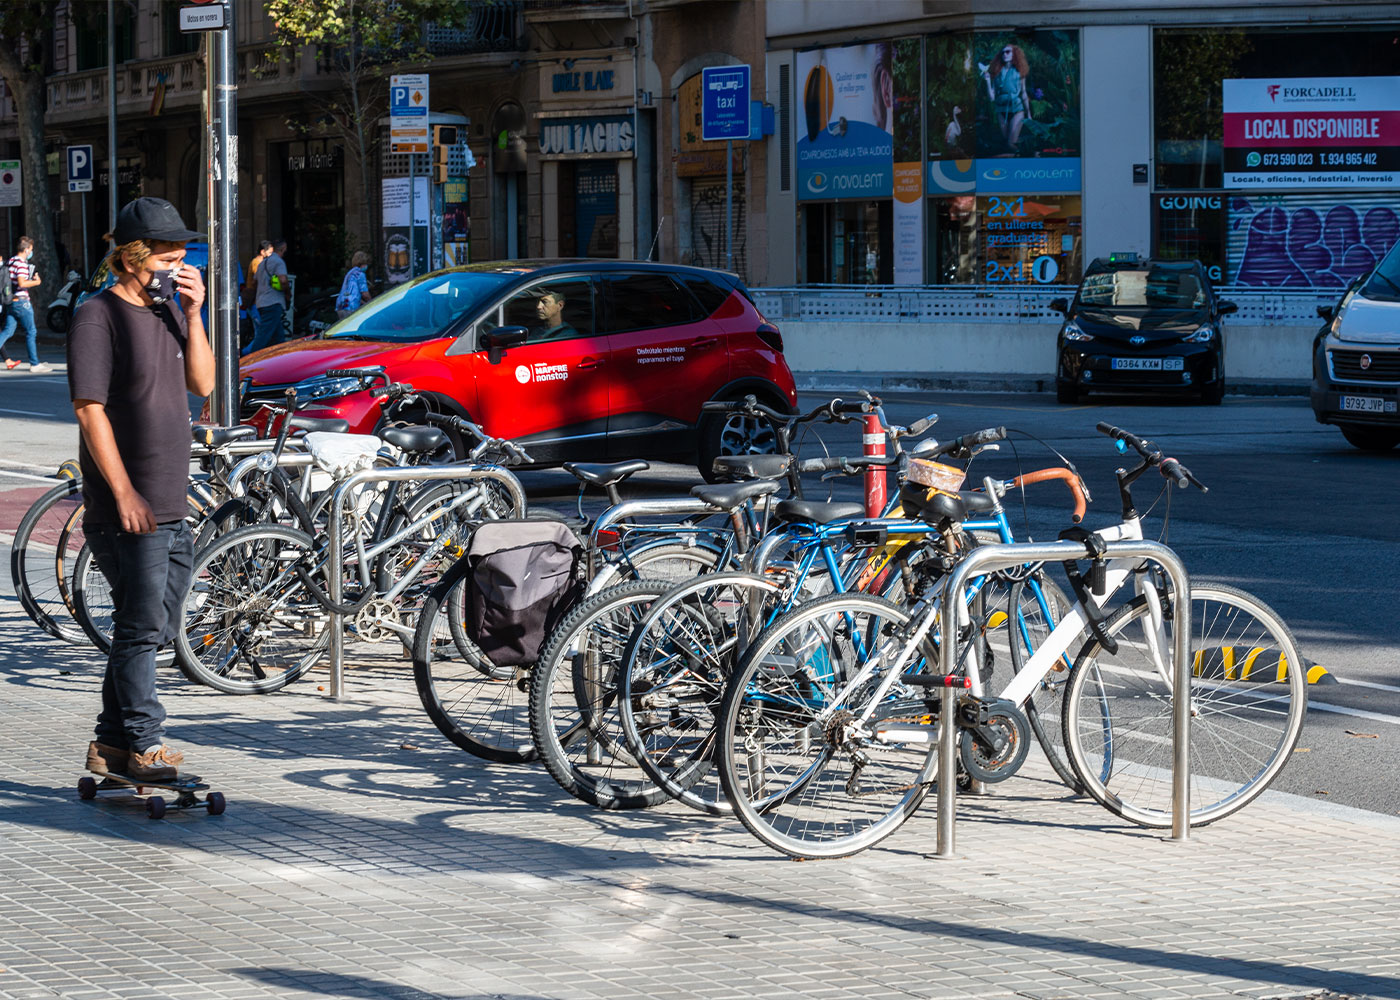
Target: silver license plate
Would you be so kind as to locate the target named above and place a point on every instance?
(1368, 404)
(1137, 364)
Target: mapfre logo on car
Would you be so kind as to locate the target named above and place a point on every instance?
(541, 371)
(522, 374)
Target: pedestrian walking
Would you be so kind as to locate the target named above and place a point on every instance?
(20, 311)
(354, 290)
(132, 355)
(273, 293)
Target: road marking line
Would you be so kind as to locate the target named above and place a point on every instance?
(28, 413)
(1359, 713)
(1367, 684)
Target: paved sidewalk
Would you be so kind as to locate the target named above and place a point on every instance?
(362, 856)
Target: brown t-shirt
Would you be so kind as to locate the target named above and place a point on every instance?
(131, 359)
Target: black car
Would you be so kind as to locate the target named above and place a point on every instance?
(1142, 325)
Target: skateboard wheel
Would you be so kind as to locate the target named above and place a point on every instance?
(87, 788)
(155, 807)
(215, 803)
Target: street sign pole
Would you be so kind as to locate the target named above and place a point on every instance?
(82, 210)
(729, 204)
(724, 114)
(111, 120)
(412, 216)
(223, 220)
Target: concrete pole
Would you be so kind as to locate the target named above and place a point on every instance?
(111, 116)
(223, 217)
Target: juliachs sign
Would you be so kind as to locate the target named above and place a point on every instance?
(1330, 132)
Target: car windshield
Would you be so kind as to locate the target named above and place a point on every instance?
(1384, 282)
(422, 309)
(1142, 288)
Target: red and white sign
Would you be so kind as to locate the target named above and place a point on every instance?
(1312, 132)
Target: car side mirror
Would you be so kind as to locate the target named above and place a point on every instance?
(1225, 307)
(496, 341)
(1060, 306)
(1325, 313)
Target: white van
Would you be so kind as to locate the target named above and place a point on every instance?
(1356, 359)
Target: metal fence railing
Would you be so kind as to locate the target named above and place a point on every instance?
(999, 304)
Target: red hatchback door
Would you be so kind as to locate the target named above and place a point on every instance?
(554, 387)
(667, 357)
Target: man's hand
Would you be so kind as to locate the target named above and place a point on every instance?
(191, 288)
(135, 514)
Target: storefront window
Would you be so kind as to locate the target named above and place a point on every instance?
(952, 236)
(848, 243)
(1191, 227)
(588, 208)
(1192, 64)
(1029, 239)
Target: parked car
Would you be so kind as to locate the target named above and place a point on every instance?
(1356, 359)
(1142, 326)
(574, 359)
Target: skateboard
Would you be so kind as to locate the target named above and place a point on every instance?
(185, 787)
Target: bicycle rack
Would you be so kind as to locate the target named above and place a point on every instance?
(336, 563)
(988, 558)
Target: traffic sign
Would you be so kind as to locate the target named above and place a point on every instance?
(11, 190)
(203, 18)
(79, 168)
(408, 113)
(724, 102)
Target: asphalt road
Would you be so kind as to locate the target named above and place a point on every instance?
(1294, 515)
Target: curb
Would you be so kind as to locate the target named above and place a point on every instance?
(887, 382)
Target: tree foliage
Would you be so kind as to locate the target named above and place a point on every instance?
(24, 31)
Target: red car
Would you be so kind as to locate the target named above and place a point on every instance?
(575, 360)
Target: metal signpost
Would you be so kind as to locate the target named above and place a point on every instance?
(221, 120)
(409, 133)
(724, 115)
(80, 182)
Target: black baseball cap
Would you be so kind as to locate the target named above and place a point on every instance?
(151, 219)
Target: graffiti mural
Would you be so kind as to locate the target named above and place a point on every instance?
(707, 222)
(1308, 241)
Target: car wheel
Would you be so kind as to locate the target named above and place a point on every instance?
(1371, 438)
(732, 434)
(58, 319)
(1065, 392)
(1214, 395)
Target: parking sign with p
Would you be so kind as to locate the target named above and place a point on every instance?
(79, 168)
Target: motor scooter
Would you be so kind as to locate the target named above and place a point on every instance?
(61, 308)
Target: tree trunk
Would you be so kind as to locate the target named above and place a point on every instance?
(27, 91)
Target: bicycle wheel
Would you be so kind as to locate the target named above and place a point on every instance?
(1035, 607)
(1248, 700)
(573, 700)
(480, 707)
(673, 677)
(662, 560)
(42, 559)
(250, 624)
(92, 600)
(800, 766)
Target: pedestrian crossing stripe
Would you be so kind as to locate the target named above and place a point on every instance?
(1237, 663)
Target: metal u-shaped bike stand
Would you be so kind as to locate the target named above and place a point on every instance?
(336, 561)
(988, 558)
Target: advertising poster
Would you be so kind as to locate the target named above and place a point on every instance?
(595, 208)
(845, 144)
(1308, 241)
(952, 113)
(1027, 129)
(1333, 132)
(1029, 240)
(398, 266)
(908, 163)
(456, 223)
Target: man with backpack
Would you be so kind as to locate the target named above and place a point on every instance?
(19, 310)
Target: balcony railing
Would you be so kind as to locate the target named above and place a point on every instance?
(1000, 304)
(75, 95)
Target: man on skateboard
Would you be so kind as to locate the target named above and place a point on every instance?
(133, 351)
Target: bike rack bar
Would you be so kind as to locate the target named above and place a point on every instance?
(988, 558)
(286, 460)
(336, 562)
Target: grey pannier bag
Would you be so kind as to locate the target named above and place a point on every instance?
(523, 578)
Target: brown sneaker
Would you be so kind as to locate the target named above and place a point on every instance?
(102, 758)
(158, 763)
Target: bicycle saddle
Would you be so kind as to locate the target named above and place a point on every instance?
(606, 475)
(752, 466)
(417, 440)
(328, 425)
(819, 512)
(934, 505)
(727, 496)
(217, 437)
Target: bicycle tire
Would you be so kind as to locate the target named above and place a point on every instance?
(42, 558)
(1031, 620)
(791, 765)
(249, 624)
(479, 707)
(1246, 718)
(673, 677)
(93, 606)
(573, 700)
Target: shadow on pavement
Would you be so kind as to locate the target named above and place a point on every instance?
(339, 985)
